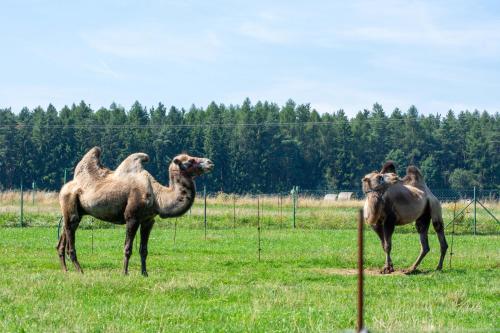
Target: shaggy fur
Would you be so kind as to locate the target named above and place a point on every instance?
(399, 202)
(129, 195)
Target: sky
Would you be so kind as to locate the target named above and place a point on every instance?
(436, 55)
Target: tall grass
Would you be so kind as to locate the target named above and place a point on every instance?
(226, 211)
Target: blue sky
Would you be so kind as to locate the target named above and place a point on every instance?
(437, 55)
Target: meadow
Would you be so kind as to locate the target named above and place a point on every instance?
(303, 282)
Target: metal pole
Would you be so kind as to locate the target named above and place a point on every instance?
(452, 237)
(258, 224)
(359, 325)
(22, 205)
(475, 201)
(234, 214)
(33, 193)
(281, 210)
(205, 209)
(92, 233)
(262, 212)
(294, 198)
(65, 175)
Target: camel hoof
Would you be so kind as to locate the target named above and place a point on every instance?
(387, 270)
(410, 271)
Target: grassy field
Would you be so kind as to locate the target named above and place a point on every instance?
(303, 282)
(224, 212)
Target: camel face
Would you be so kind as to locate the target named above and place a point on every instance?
(191, 166)
(372, 182)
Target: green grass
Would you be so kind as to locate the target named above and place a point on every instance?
(218, 285)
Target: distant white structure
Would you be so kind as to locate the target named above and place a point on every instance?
(330, 197)
(345, 196)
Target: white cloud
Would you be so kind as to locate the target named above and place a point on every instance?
(102, 68)
(383, 23)
(154, 42)
(263, 32)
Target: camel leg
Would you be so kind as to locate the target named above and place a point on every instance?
(422, 225)
(439, 228)
(143, 249)
(388, 229)
(379, 230)
(70, 231)
(61, 250)
(68, 209)
(132, 226)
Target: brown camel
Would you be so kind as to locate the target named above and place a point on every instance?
(391, 201)
(129, 195)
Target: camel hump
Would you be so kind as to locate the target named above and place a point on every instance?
(132, 164)
(388, 167)
(414, 176)
(90, 167)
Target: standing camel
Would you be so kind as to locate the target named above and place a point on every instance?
(129, 195)
(391, 202)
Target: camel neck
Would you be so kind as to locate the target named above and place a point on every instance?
(373, 208)
(177, 198)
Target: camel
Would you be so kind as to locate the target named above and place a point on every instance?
(391, 201)
(128, 195)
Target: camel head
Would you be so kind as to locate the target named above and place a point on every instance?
(378, 182)
(190, 166)
(373, 182)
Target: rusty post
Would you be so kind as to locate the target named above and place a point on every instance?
(359, 323)
(258, 224)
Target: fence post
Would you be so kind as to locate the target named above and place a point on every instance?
(65, 175)
(452, 237)
(92, 233)
(33, 185)
(21, 218)
(359, 325)
(234, 213)
(475, 201)
(258, 224)
(205, 209)
(294, 200)
(281, 209)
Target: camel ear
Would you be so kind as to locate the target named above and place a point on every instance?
(388, 167)
(179, 163)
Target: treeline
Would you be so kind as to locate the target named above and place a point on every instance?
(260, 147)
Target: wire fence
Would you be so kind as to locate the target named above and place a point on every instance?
(444, 195)
(303, 209)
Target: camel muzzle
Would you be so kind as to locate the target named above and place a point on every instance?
(207, 165)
